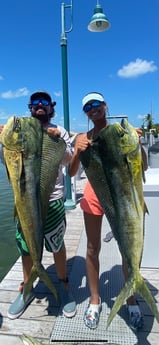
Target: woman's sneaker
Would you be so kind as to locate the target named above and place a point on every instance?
(135, 317)
(92, 314)
(19, 305)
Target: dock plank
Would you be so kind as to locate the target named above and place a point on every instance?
(42, 316)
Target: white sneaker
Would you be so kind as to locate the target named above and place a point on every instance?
(92, 314)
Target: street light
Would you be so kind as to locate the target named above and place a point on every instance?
(98, 23)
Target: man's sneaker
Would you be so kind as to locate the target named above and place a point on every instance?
(68, 303)
(135, 317)
(92, 314)
(19, 305)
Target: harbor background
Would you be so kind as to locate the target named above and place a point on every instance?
(8, 248)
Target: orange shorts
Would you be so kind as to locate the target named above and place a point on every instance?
(90, 203)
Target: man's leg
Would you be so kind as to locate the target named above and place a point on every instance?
(68, 303)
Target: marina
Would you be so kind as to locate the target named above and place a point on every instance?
(43, 320)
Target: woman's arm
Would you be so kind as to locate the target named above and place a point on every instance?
(81, 143)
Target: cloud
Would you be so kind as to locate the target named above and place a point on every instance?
(137, 68)
(2, 115)
(140, 117)
(15, 94)
(58, 93)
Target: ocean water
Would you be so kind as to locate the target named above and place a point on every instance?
(8, 248)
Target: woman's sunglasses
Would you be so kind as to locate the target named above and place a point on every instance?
(89, 106)
(43, 101)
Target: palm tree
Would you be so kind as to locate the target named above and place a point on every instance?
(149, 123)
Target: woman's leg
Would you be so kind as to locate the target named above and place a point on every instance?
(93, 231)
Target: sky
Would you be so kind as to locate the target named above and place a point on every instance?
(122, 62)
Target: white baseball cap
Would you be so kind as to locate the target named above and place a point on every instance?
(92, 96)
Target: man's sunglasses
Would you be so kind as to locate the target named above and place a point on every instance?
(89, 106)
(43, 101)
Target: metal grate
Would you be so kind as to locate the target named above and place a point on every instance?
(73, 330)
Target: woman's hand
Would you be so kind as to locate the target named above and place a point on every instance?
(81, 144)
(139, 132)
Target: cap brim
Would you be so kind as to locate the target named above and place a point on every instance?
(92, 97)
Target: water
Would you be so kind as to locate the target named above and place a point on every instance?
(8, 248)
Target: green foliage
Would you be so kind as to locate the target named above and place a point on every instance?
(149, 125)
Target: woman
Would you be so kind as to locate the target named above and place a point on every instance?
(94, 106)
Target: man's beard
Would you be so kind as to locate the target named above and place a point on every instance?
(42, 118)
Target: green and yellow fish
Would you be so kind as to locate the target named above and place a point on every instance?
(113, 165)
(32, 161)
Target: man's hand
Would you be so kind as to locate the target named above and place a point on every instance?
(1, 128)
(53, 132)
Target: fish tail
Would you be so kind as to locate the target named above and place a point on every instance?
(41, 273)
(132, 286)
(26, 339)
(125, 293)
(47, 280)
(28, 286)
(142, 289)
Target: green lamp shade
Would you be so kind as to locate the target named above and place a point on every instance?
(98, 22)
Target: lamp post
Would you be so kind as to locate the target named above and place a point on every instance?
(98, 23)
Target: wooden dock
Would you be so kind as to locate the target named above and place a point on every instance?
(42, 318)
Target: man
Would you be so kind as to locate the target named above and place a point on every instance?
(42, 107)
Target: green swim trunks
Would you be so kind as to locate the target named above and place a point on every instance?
(54, 229)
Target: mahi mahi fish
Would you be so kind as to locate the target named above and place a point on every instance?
(26, 338)
(32, 160)
(118, 184)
